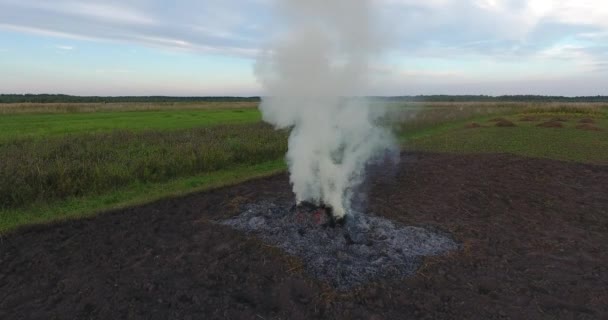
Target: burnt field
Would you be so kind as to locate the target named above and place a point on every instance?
(532, 235)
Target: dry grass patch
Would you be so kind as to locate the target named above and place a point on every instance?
(504, 123)
(473, 125)
(551, 124)
(24, 108)
(529, 118)
(588, 127)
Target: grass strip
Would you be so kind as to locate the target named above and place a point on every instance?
(567, 143)
(132, 195)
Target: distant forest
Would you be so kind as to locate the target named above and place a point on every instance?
(61, 98)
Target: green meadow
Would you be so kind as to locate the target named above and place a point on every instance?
(15, 126)
(563, 143)
(69, 161)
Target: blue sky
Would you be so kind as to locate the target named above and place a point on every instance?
(203, 47)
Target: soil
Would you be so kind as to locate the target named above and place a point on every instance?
(533, 235)
(505, 123)
(588, 127)
(529, 118)
(551, 124)
(560, 119)
(473, 125)
(586, 120)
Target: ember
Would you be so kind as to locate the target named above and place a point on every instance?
(316, 215)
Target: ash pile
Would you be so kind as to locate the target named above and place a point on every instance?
(342, 252)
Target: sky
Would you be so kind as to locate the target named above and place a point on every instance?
(204, 47)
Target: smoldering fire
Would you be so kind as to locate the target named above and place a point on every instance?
(311, 75)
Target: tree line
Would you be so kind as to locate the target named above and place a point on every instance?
(62, 98)
(484, 98)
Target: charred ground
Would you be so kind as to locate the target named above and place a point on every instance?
(534, 235)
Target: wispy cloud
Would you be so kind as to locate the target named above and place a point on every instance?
(91, 10)
(63, 47)
(525, 34)
(500, 28)
(205, 27)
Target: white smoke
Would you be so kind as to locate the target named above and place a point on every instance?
(315, 76)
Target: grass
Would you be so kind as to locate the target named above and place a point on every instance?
(47, 108)
(131, 195)
(572, 109)
(526, 139)
(62, 162)
(56, 168)
(15, 126)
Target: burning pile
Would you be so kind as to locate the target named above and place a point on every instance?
(316, 215)
(314, 75)
(347, 254)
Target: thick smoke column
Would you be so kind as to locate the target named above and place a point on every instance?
(313, 75)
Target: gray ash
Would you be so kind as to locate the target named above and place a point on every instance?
(362, 249)
(308, 213)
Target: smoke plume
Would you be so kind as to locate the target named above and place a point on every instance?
(315, 75)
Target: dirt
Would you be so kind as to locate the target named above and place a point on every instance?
(560, 119)
(534, 238)
(505, 123)
(551, 124)
(588, 127)
(473, 125)
(529, 118)
(587, 120)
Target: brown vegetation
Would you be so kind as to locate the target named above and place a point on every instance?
(505, 123)
(473, 125)
(529, 118)
(551, 124)
(588, 127)
(16, 108)
(586, 109)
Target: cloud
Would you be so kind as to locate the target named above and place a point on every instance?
(539, 35)
(63, 47)
(96, 10)
(209, 27)
(500, 28)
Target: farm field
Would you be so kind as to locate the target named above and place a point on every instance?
(41, 125)
(521, 187)
(58, 165)
(579, 138)
(72, 160)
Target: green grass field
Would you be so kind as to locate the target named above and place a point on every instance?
(567, 143)
(63, 162)
(56, 168)
(133, 194)
(14, 126)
